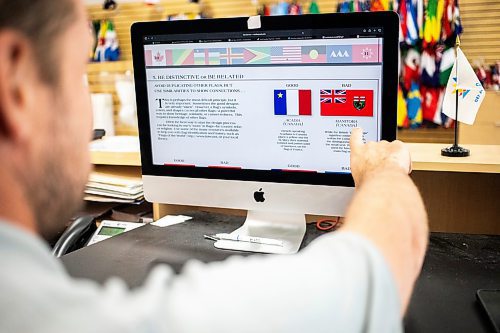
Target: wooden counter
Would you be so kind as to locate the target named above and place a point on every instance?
(461, 194)
(483, 158)
(116, 158)
(425, 156)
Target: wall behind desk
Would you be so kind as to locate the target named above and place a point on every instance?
(480, 41)
(461, 202)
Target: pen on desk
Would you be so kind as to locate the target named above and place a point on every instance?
(249, 239)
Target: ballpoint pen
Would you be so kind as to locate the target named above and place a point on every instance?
(243, 238)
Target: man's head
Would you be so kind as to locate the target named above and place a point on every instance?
(45, 117)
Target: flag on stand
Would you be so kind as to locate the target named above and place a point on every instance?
(464, 82)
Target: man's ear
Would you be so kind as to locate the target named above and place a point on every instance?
(17, 72)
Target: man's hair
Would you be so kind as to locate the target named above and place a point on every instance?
(42, 22)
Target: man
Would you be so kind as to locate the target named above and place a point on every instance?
(358, 279)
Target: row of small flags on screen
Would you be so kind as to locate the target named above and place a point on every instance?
(158, 56)
(298, 102)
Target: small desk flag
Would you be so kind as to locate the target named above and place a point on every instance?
(470, 91)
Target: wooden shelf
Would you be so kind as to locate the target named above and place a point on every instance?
(110, 66)
(116, 158)
(425, 156)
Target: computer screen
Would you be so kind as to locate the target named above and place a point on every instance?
(260, 119)
(271, 100)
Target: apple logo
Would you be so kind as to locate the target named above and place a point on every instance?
(259, 196)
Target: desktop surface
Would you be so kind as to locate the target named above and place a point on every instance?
(455, 266)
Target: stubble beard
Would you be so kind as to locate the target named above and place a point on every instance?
(55, 196)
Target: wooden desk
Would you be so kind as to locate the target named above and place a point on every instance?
(461, 194)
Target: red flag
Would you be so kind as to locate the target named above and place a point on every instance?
(352, 103)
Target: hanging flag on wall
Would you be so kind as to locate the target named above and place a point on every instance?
(414, 106)
(402, 111)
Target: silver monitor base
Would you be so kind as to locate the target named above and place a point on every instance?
(289, 228)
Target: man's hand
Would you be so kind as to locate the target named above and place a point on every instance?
(388, 209)
(376, 156)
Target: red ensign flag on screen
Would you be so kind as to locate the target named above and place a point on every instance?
(351, 103)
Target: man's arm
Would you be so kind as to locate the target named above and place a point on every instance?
(388, 209)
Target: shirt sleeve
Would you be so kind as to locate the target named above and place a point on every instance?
(339, 283)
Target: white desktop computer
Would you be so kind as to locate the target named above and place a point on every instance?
(259, 119)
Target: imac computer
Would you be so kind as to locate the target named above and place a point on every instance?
(256, 113)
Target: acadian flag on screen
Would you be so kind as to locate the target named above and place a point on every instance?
(292, 102)
(351, 103)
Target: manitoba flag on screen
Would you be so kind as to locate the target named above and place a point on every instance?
(351, 103)
(292, 102)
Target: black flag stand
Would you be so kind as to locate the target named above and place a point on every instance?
(456, 150)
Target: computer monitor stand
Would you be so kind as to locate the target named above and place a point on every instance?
(289, 228)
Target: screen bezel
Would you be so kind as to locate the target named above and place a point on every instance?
(389, 21)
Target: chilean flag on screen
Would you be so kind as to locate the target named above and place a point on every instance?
(292, 102)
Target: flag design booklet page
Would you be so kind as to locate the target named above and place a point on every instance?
(284, 105)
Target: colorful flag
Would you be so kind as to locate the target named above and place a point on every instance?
(339, 54)
(159, 58)
(313, 8)
(411, 22)
(313, 54)
(430, 102)
(148, 57)
(169, 58)
(286, 54)
(292, 102)
(414, 106)
(457, 22)
(365, 53)
(411, 68)
(257, 55)
(183, 57)
(430, 73)
(447, 61)
(232, 56)
(355, 103)
(200, 57)
(420, 18)
(213, 57)
(402, 111)
(465, 83)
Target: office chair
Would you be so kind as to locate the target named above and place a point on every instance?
(75, 236)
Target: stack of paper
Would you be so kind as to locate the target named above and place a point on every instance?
(105, 187)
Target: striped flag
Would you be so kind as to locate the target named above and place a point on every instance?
(292, 102)
(148, 57)
(257, 55)
(286, 54)
(232, 56)
(200, 56)
(183, 57)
